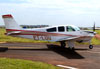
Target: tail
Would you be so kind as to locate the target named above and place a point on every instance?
(10, 23)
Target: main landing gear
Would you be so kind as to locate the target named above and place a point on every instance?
(63, 44)
(70, 44)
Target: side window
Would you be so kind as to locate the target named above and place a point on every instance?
(61, 29)
(52, 29)
(69, 28)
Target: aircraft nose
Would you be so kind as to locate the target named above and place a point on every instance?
(91, 32)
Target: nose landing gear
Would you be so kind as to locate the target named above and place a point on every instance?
(90, 46)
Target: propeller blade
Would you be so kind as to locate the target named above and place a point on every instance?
(94, 27)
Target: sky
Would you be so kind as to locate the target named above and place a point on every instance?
(82, 13)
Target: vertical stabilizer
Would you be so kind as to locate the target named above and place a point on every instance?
(10, 23)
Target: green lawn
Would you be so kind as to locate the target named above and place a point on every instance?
(96, 41)
(6, 63)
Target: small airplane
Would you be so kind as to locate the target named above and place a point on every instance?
(61, 33)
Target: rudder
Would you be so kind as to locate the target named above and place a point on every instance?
(10, 23)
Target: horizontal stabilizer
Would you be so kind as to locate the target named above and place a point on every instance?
(14, 32)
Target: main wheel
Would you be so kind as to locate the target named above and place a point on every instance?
(63, 44)
(71, 48)
(90, 46)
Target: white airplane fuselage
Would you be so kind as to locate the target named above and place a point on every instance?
(61, 33)
(42, 34)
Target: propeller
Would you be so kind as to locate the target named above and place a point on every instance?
(94, 27)
(96, 35)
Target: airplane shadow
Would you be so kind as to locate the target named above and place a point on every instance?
(3, 49)
(42, 49)
(70, 54)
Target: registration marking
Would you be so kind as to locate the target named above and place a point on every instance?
(38, 37)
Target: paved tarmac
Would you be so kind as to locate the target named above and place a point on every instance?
(82, 57)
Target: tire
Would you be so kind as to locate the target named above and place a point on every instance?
(63, 44)
(71, 48)
(90, 46)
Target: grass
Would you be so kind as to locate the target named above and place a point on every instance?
(6, 63)
(96, 41)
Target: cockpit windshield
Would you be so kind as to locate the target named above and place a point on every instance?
(72, 28)
(76, 28)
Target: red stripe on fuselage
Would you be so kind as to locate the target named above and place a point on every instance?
(27, 32)
(39, 33)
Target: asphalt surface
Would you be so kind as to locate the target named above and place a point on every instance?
(82, 57)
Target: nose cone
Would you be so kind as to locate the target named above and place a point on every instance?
(90, 33)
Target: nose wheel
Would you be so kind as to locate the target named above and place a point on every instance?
(90, 46)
